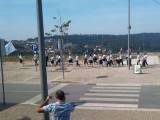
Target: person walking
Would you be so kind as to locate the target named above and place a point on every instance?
(120, 58)
(108, 60)
(52, 60)
(70, 60)
(90, 60)
(138, 58)
(100, 60)
(35, 58)
(20, 59)
(46, 56)
(60, 110)
(111, 58)
(117, 60)
(85, 59)
(77, 59)
(95, 59)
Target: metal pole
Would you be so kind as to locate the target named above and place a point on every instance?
(143, 42)
(62, 59)
(43, 74)
(129, 27)
(4, 103)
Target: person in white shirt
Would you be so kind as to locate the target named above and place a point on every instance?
(111, 58)
(95, 58)
(104, 59)
(108, 60)
(85, 59)
(21, 59)
(146, 58)
(138, 58)
(58, 59)
(77, 60)
(70, 60)
(100, 60)
(120, 58)
(91, 60)
(52, 60)
(35, 58)
(144, 63)
(117, 60)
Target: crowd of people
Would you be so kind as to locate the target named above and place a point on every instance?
(91, 59)
(101, 59)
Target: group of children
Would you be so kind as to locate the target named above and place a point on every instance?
(142, 58)
(101, 60)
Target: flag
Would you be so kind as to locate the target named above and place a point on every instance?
(9, 48)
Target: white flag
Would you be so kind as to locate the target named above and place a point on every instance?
(9, 48)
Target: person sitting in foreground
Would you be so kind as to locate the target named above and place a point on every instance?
(60, 110)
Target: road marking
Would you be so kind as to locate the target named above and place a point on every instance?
(111, 95)
(123, 85)
(126, 88)
(108, 105)
(38, 97)
(109, 99)
(20, 91)
(119, 91)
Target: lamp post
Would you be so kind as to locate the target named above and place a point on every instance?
(43, 73)
(129, 27)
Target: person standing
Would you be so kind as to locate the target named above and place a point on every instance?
(60, 110)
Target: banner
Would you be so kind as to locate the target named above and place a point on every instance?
(9, 48)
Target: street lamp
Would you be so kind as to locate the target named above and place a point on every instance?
(129, 27)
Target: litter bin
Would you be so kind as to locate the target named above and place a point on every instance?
(137, 69)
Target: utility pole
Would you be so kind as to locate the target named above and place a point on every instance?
(43, 74)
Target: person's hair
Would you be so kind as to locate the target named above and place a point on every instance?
(60, 95)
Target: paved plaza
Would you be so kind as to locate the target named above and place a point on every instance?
(96, 75)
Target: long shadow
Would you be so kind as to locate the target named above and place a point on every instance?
(7, 106)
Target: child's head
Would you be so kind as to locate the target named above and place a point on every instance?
(60, 95)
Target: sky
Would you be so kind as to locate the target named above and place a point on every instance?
(18, 18)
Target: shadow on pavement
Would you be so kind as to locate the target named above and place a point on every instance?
(25, 118)
(8, 105)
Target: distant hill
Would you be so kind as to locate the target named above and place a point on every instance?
(149, 42)
(138, 42)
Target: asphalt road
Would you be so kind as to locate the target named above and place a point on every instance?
(90, 95)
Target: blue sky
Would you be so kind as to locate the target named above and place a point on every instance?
(18, 18)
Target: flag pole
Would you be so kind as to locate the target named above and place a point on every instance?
(4, 103)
